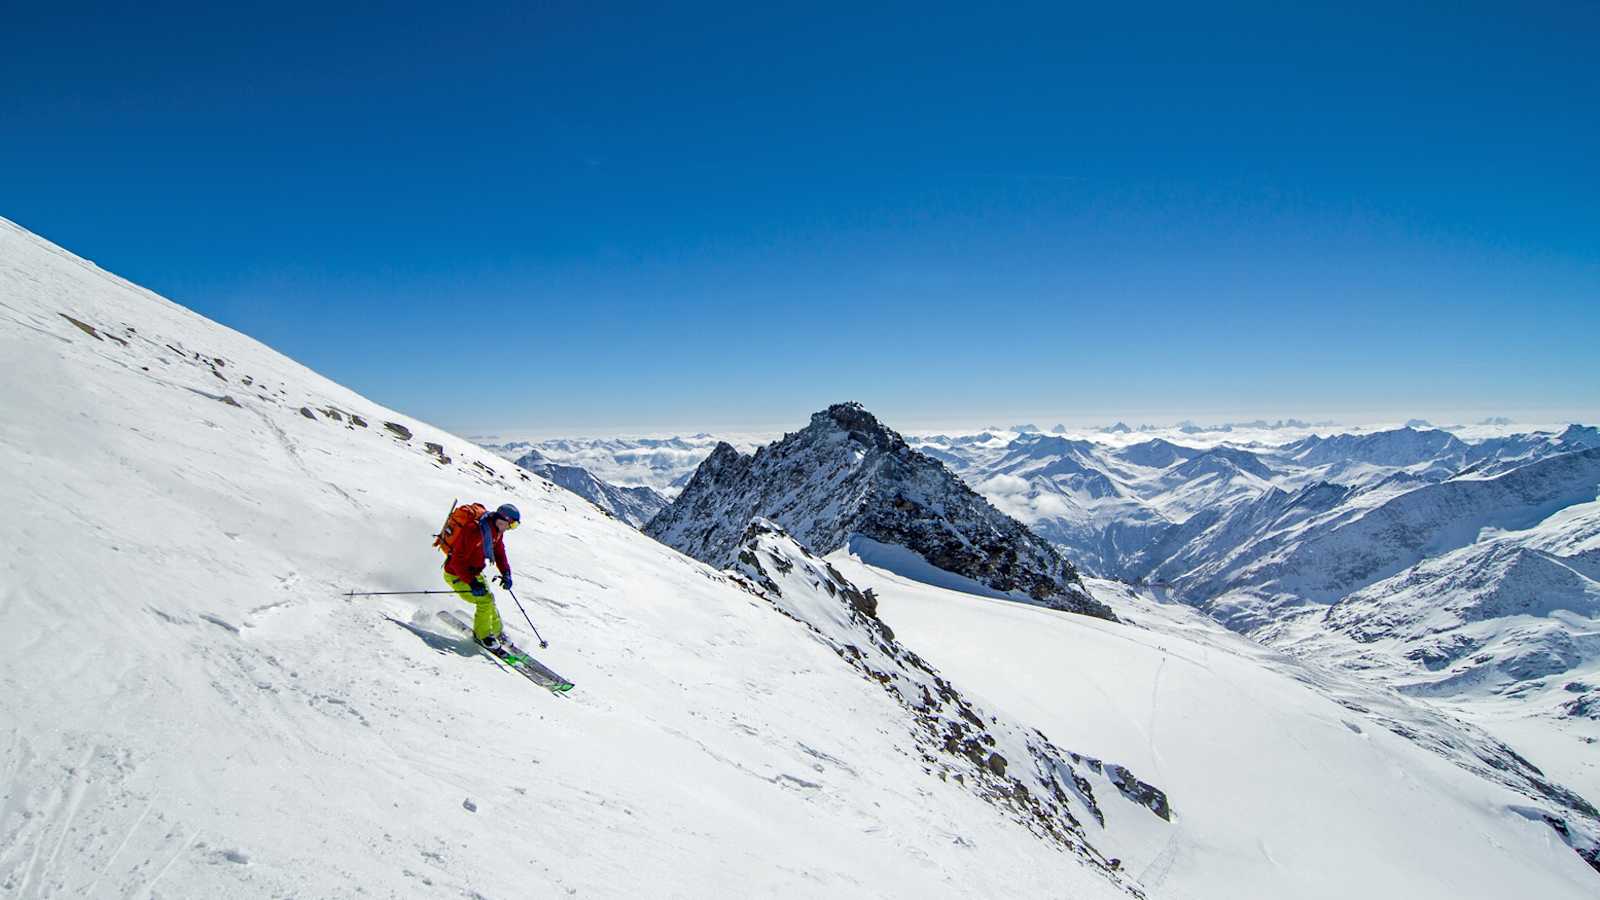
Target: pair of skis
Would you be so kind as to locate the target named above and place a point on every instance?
(514, 657)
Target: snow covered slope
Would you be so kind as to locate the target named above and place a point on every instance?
(191, 707)
(1286, 780)
(1053, 791)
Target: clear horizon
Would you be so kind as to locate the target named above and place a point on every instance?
(725, 218)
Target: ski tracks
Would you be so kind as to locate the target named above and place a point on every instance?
(40, 811)
(1155, 874)
(294, 457)
(77, 786)
(78, 828)
(1154, 877)
(128, 836)
(150, 886)
(1150, 726)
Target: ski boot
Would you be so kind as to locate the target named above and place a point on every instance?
(494, 643)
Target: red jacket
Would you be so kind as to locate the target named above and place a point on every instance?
(467, 557)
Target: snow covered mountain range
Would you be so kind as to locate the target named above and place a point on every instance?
(634, 505)
(662, 464)
(1119, 507)
(1268, 538)
(846, 479)
(1463, 571)
(194, 704)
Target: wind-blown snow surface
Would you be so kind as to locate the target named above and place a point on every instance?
(188, 708)
(1285, 782)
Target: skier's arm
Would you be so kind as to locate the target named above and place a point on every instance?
(500, 561)
(491, 547)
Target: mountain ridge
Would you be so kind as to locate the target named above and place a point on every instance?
(846, 474)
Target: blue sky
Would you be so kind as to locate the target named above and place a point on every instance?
(712, 217)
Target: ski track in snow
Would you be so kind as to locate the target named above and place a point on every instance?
(149, 888)
(1155, 706)
(1154, 876)
(121, 846)
(294, 456)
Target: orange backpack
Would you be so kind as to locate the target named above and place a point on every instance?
(460, 517)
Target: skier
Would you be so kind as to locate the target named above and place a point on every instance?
(471, 537)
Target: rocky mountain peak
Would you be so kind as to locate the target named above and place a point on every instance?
(1580, 436)
(863, 427)
(722, 455)
(847, 476)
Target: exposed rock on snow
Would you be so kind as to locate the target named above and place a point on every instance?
(846, 475)
(1013, 767)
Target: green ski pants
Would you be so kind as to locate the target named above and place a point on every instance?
(486, 620)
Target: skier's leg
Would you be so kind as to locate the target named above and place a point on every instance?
(485, 618)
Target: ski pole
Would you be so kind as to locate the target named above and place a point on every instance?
(390, 593)
(542, 642)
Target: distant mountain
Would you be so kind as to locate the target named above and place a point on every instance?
(1399, 447)
(1432, 607)
(634, 505)
(1210, 481)
(1279, 424)
(1156, 453)
(1351, 546)
(845, 479)
(1108, 506)
(1512, 617)
(662, 464)
(1225, 461)
(1579, 437)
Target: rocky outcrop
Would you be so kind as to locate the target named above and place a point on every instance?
(1049, 790)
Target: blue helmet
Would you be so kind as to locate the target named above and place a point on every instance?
(509, 513)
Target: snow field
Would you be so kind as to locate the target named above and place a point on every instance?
(1277, 791)
(189, 707)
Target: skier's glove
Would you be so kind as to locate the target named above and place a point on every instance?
(479, 589)
(505, 581)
